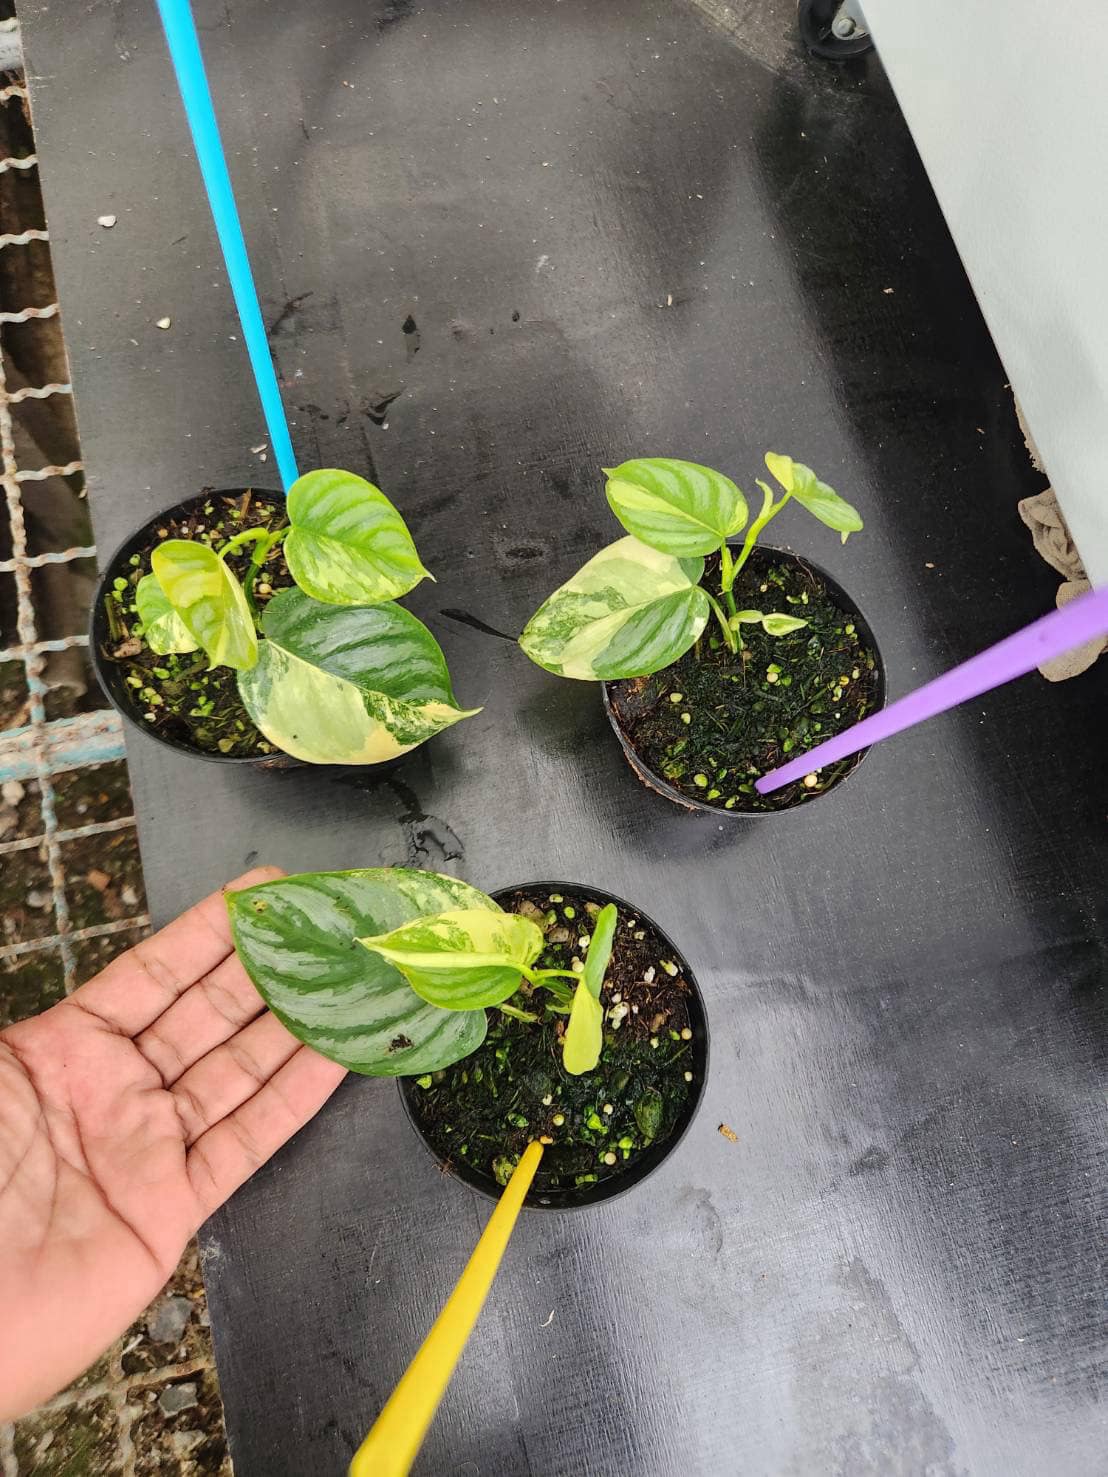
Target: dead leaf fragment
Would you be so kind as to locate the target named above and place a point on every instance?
(100, 880)
(728, 1132)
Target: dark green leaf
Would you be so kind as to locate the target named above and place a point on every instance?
(648, 1114)
(297, 940)
(347, 684)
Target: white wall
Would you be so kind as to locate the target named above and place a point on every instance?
(1008, 105)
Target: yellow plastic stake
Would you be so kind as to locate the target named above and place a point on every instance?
(397, 1434)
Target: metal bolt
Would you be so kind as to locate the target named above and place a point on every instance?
(843, 27)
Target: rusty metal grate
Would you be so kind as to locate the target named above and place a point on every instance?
(42, 747)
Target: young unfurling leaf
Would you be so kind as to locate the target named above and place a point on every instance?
(462, 959)
(209, 600)
(585, 1031)
(678, 507)
(822, 502)
(163, 629)
(774, 624)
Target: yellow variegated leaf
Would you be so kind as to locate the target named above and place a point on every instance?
(629, 611)
(584, 1032)
(163, 629)
(209, 600)
(347, 684)
(462, 959)
(348, 545)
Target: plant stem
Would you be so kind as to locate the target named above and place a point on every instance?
(262, 550)
(725, 626)
(536, 976)
(519, 1015)
(727, 577)
(240, 540)
(770, 509)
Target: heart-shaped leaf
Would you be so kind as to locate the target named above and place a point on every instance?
(297, 940)
(584, 1036)
(209, 600)
(163, 629)
(629, 611)
(679, 507)
(776, 624)
(462, 959)
(348, 545)
(347, 684)
(822, 502)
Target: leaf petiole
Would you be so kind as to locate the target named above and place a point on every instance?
(519, 1015)
(725, 625)
(770, 510)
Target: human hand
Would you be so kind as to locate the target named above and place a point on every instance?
(128, 1114)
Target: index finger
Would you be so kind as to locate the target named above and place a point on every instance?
(134, 990)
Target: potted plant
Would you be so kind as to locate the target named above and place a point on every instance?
(719, 656)
(245, 625)
(547, 1011)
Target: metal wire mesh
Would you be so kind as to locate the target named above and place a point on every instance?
(42, 748)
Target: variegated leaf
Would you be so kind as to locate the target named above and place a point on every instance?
(209, 600)
(679, 507)
(629, 611)
(163, 629)
(296, 938)
(348, 545)
(822, 502)
(776, 624)
(347, 684)
(462, 960)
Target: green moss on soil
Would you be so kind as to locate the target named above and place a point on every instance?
(713, 722)
(483, 1111)
(176, 695)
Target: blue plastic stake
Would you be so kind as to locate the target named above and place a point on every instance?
(184, 48)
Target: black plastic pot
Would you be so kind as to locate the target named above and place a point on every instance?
(648, 1161)
(111, 674)
(762, 555)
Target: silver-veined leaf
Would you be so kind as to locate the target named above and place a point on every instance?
(462, 959)
(209, 600)
(347, 684)
(584, 1036)
(348, 545)
(163, 629)
(678, 507)
(297, 940)
(822, 502)
(629, 611)
(776, 624)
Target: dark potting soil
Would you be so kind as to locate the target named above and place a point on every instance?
(176, 695)
(713, 722)
(485, 1110)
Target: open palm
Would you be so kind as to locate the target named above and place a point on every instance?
(128, 1113)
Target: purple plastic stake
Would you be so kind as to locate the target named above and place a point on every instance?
(1052, 635)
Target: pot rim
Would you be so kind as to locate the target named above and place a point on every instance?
(97, 633)
(620, 1184)
(661, 786)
